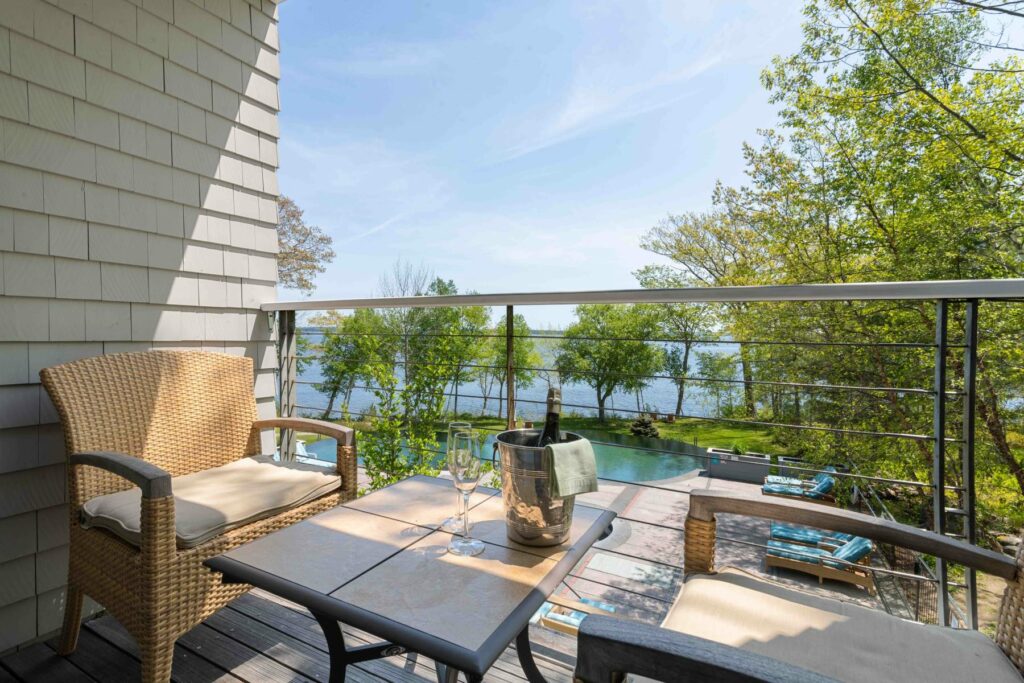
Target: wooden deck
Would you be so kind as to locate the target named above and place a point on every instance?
(637, 570)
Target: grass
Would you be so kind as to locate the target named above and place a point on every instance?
(691, 430)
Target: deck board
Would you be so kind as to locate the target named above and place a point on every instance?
(261, 637)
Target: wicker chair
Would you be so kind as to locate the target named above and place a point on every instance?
(731, 626)
(144, 419)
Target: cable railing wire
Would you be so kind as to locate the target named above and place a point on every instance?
(702, 456)
(809, 386)
(659, 340)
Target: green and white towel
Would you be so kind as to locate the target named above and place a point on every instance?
(572, 468)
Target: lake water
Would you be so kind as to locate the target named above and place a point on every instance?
(579, 399)
(622, 458)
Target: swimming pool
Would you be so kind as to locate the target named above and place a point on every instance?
(622, 458)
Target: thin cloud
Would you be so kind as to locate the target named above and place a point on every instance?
(595, 102)
(384, 60)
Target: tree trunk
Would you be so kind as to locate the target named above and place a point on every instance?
(988, 410)
(501, 397)
(330, 404)
(748, 378)
(455, 389)
(681, 384)
(600, 406)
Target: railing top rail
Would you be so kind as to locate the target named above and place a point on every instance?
(861, 291)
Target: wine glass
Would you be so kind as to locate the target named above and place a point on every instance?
(464, 463)
(454, 523)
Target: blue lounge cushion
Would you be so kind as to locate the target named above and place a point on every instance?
(781, 489)
(822, 488)
(801, 553)
(797, 481)
(852, 551)
(779, 479)
(799, 534)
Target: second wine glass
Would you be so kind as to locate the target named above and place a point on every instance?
(464, 463)
(454, 523)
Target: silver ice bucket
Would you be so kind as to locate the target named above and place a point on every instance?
(532, 516)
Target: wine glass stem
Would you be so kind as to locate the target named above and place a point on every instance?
(465, 515)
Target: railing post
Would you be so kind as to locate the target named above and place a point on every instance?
(939, 455)
(510, 367)
(967, 450)
(287, 363)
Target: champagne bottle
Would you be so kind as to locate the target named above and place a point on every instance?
(551, 434)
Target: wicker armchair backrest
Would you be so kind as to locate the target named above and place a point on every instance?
(1010, 627)
(184, 411)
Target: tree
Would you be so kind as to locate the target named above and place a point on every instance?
(721, 370)
(714, 249)
(469, 348)
(603, 349)
(303, 250)
(905, 126)
(524, 359)
(686, 323)
(345, 353)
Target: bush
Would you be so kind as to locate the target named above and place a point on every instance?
(644, 426)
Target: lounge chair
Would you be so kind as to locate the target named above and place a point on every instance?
(160, 478)
(808, 536)
(820, 492)
(798, 481)
(844, 563)
(731, 626)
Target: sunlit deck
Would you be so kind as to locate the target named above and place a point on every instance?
(637, 569)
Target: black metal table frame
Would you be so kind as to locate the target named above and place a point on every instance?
(341, 655)
(401, 639)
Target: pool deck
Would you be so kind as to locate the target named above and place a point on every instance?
(637, 570)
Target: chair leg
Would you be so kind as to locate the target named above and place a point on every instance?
(157, 657)
(72, 620)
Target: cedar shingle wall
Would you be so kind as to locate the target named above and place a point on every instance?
(138, 156)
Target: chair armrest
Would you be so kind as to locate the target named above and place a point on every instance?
(608, 648)
(154, 482)
(345, 436)
(705, 504)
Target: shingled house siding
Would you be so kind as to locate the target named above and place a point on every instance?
(138, 156)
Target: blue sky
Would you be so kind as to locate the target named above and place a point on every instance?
(519, 146)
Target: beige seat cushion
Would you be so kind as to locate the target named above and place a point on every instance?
(208, 503)
(838, 639)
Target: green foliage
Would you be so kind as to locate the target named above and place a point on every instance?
(381, 448)
(345, 354)
(604, 349)
(903, 162)
(644, 426)
(525, 357)
(683, 322)
(718, 366)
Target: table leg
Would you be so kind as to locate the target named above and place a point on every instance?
(335, 647)
(533, 674)
(445, 673)
(341, 656)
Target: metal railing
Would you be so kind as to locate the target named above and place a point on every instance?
(952, 451)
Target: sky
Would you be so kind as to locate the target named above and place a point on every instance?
(516, 146)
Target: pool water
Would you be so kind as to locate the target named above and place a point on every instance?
(622, 458)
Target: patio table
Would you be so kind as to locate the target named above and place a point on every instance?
(380, 563)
